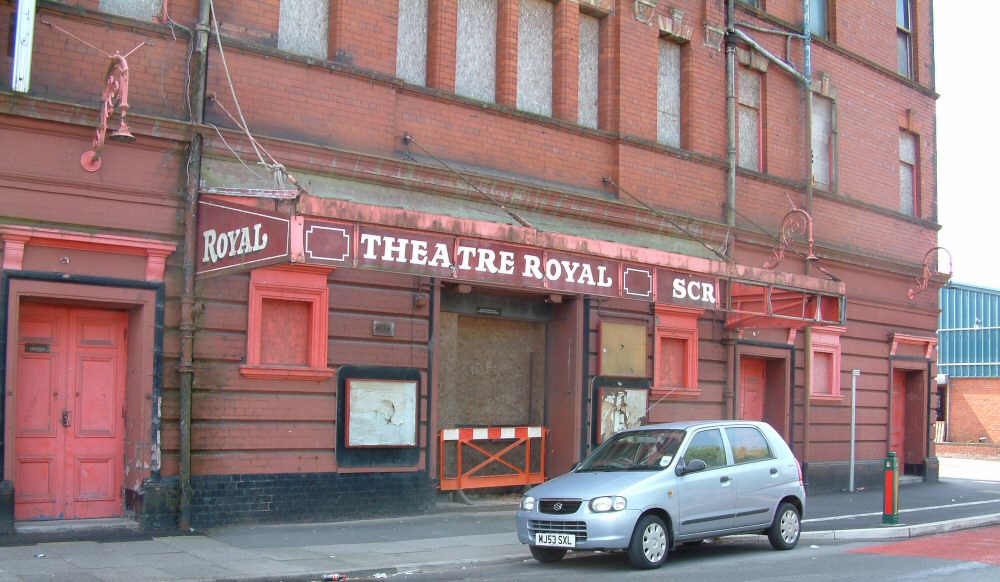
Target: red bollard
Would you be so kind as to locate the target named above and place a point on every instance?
(890, 510)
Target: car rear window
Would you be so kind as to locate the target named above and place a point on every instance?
(748, 444)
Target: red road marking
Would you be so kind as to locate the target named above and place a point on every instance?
(975, 545)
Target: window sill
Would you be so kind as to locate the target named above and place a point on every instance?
(826, 397)
(286, 373)
(673, 392)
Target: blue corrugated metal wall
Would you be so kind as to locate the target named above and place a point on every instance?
(969, 332)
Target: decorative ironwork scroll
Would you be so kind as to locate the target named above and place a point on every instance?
(930, 269)
(796, 223)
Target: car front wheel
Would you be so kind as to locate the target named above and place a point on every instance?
(650, 543)
(784, 532)
(547, 555)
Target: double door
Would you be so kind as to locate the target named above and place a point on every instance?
(69, 412)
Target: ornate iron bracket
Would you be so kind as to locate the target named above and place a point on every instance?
(115, 94)
(921, 282)
(795, 223)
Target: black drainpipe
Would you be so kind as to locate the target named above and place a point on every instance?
(185, 367)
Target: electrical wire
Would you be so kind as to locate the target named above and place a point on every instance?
(691, 235)
(408, 139)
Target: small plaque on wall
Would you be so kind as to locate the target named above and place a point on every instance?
(381, 413)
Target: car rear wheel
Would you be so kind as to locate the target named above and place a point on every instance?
(650, 543)
(547, 555)
(784, 532)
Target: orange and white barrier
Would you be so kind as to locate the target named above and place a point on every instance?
(504, 469)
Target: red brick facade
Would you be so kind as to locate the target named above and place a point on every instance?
(337, 125)
(974, 410)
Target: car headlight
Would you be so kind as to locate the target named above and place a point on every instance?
(603, 504)
(528, 503)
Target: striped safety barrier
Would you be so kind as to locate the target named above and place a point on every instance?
(507, 462)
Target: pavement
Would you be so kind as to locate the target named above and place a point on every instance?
(456, 534)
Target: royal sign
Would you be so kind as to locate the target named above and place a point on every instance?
(233, 237)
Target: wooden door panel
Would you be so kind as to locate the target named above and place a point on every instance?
(36, 481)
(897, 438)
(752, 376)
(36, 410)
(96, 398)
(96, 386)
(38, 401)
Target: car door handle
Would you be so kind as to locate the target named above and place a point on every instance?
(724, 480)
(774, 471)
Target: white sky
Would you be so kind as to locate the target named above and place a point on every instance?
(968, 137)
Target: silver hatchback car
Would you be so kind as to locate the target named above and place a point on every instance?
(646, 490)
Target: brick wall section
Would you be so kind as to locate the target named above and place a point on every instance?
(565, 62)
(984, 452)
(288, 498)
(508, 12)
(974, 410)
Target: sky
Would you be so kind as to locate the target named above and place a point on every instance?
(968, 138)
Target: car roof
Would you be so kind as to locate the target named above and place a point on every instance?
(692, 424)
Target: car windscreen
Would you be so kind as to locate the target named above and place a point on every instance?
(639, 450)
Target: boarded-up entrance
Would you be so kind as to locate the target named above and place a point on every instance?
(69, 425)
(492, 372)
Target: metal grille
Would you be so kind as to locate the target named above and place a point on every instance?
(577, 528)
(559, 506)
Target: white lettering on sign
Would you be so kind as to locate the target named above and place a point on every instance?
(694, 290)
(377, 247)
(233, 243)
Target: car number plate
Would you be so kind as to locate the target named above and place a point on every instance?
(558, 540)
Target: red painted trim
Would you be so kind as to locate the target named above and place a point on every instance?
(306, 284)
(929, 343)
(16, 237)
(680, 323)
(826, 339)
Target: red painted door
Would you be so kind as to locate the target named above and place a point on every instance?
(752, 374)
(69, 425)
(897, 437)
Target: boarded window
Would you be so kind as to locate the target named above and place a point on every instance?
(534, 57)
(907, 173)
(303, 27)
(668, 96)
(822, 365)
(287, 324)
(822, 141)
(749, 119)
(589, 51)
(411, 42)
(476, 49)
(139, 9)
(284, 332)
(826, 363)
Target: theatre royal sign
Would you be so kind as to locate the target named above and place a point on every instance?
(233, 237)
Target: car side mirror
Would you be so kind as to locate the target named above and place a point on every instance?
(694, 466)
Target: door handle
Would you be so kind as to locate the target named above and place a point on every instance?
(66, 418)
(774, 471)
(724, 480)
